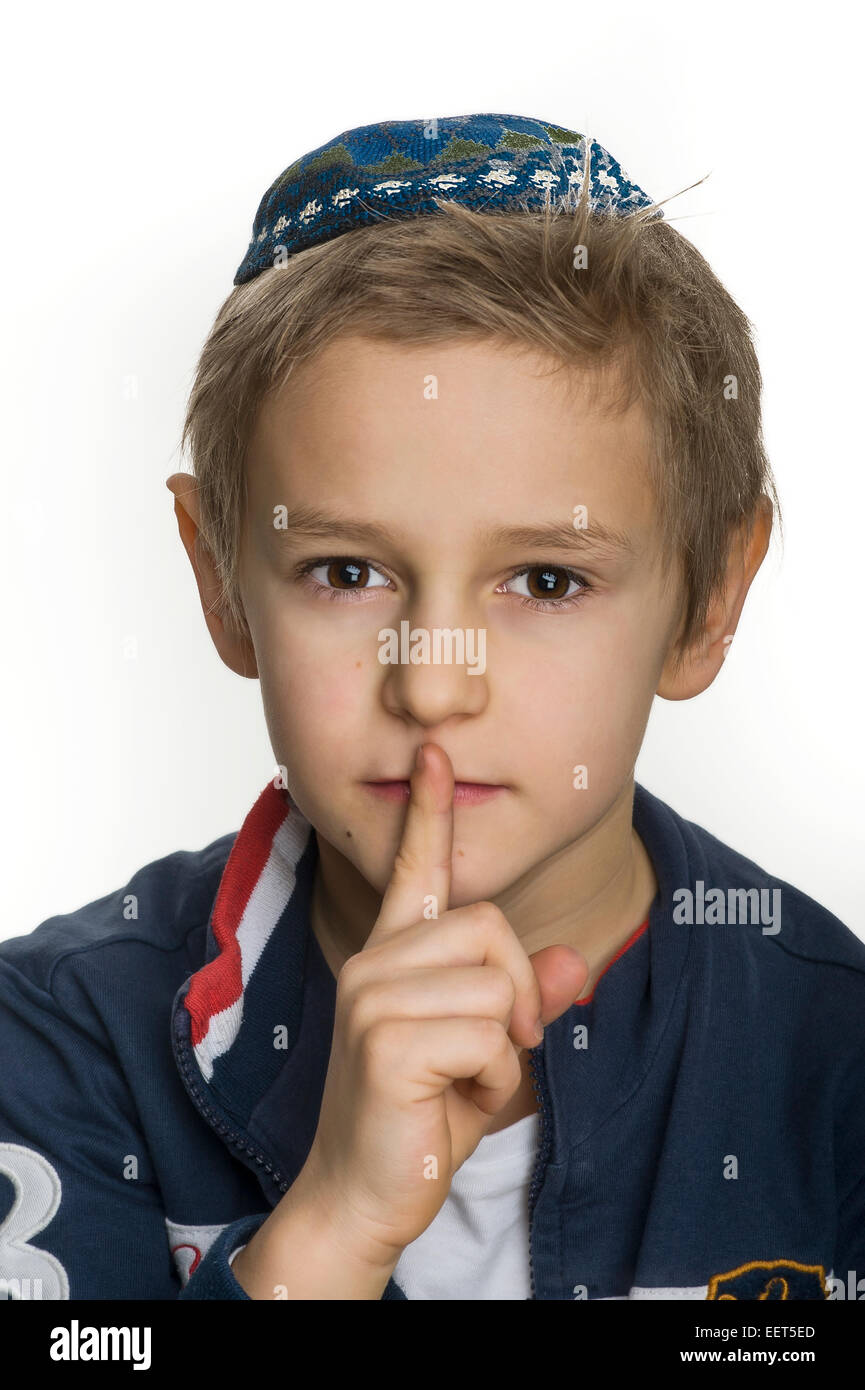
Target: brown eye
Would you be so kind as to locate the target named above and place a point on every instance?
(551, 582)
(548, 587)
(348, 574)
(342, 576)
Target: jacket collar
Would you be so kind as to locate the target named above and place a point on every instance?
(252, 1027)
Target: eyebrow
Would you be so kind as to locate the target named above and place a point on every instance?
(311, 522)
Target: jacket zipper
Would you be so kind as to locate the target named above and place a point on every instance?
(538, 1080)
(216, 1121)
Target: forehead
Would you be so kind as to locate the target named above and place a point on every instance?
(452, 431)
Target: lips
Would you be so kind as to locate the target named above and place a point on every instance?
(465, 793)
(458, 782)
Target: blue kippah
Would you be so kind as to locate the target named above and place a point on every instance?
(396, 168)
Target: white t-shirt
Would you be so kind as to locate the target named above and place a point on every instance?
(477, 1245)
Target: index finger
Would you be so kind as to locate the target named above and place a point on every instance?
(422, 866)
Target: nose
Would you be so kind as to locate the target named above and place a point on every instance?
(432, 669)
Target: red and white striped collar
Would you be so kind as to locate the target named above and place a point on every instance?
(257, 883)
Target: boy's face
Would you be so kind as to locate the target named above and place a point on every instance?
(440, 445)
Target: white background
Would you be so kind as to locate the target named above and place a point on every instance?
(137, 144)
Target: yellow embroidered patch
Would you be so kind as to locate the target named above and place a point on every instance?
(769, 1279)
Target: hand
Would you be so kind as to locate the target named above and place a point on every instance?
(431, 1017)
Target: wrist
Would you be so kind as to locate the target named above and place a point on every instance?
(331, 1217)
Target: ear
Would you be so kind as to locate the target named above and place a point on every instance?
(233, 646)
(702, 661)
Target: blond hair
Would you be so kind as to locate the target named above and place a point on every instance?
(645, 308)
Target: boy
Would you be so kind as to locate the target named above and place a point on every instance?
(534, 438)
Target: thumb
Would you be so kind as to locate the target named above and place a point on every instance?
(561, 973)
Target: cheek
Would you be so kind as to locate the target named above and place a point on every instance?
(616, 686)
(315, 704)
(310, 669)
(318, 725)
(586, 704)
(334, 697)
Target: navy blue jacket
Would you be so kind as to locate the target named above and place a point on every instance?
(164, 1051)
